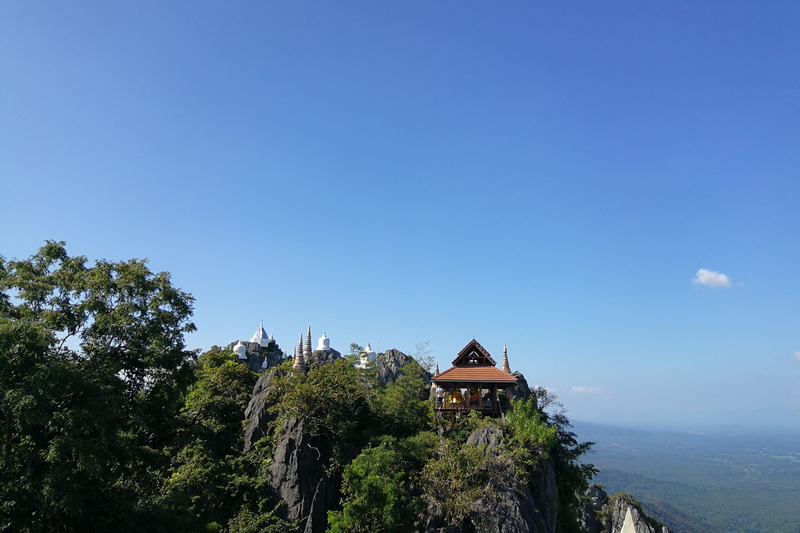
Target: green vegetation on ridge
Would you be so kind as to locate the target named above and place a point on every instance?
(109, 423)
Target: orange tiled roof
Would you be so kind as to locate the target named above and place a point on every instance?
(475, 374)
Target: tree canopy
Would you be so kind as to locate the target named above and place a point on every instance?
(93, 369)
(108, 422)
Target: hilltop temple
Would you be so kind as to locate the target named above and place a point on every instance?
(262, 351)
(474, 383)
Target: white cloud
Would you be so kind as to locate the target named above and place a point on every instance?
(797, 356)
(583, 390)
(710, 278)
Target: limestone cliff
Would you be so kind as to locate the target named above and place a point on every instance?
(511, 506)
(617, 513)
(260, 357)
(301, 485)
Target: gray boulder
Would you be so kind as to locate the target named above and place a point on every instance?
(257, 415)
(489, 436)
(389, 366)
(602, 513)
(321, 356)
(521, 391)
(513, 507)
(298, 480)
(257, 355)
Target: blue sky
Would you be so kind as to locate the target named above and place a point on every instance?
(549, 175)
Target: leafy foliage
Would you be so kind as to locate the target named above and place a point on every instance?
(376, 497)
(402, 407)
(330, 397)
(459, 476)
(209, 475)
(92, 372)
(107, 422)
(572, 475)
(529, 437)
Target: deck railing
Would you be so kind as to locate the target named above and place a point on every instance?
(450, 404)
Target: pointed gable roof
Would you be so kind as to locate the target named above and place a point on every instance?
(474, 365)
(473, 354)
(260, 336)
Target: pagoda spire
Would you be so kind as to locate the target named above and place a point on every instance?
(307, 350)
(299, 360)
(506, 368)
(436, 370)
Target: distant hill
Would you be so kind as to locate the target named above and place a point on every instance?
(714, 482)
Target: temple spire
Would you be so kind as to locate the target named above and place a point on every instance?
(506, 368)
(299, 360)
(307, 351)
(436, 370)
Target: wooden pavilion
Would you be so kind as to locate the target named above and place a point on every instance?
(473, 383)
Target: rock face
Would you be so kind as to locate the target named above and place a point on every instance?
(515, 507)
(521, 390)
(298, 482)
(607, 514)
(257, 355)
(389, 366)
(297, 478)
(257, 416)
(320, 356)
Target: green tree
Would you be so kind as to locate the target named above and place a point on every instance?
(572, 474)
(209, 475)
(330, 397)
(375, 497)
(93, 369)
(529, 437)
(215, 406)
(461, 475)
(402, 407)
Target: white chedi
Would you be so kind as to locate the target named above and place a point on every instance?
(324, 344)
(240, 350)
(260, 336)
(367, 356)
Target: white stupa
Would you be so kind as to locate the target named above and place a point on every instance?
(260, 336)
(367, 356)
(240, 350)
(324, 344)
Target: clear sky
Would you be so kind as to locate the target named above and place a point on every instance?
(612, 189)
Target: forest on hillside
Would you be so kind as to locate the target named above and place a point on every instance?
(110, 423)
(711, 482)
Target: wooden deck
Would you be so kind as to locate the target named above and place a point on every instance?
(487, 407)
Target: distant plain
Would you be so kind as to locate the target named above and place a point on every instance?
(723, 480)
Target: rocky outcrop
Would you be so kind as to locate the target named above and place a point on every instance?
(513, 507)
(488, 436)
(592, 514)
(257, 355)
(321, 356)
(521, 390)
(298, 480)
(272, 355)
(608, 514)
(257, 415)
(389, 366)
